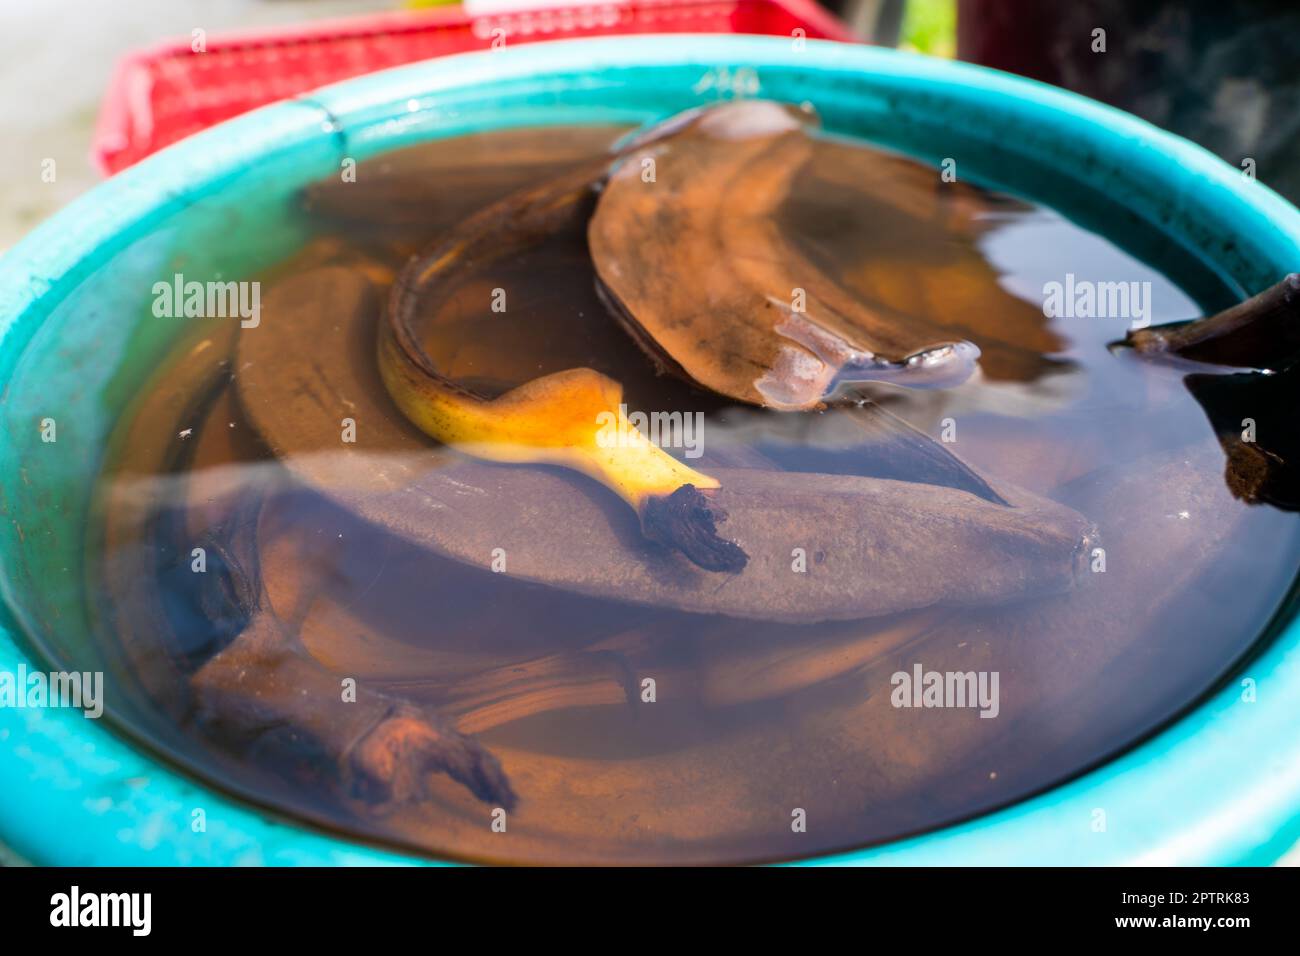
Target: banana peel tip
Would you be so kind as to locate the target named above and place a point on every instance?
(687, 521)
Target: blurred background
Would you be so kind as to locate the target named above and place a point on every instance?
(56, 61)
(1225, 73)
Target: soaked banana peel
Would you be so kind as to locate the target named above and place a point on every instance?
(383, 578)
(729, 170)
(368, 602)
(565, 813)
(404, 193)
(895, 267)
(871, 546)
(882, 757)
(770, 327)
(210, 649)
(555, 419)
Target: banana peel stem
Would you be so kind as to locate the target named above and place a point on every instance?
(687, 521)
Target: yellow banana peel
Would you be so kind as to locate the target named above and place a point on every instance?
(559, 419)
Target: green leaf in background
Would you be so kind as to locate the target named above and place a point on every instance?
(930, 26)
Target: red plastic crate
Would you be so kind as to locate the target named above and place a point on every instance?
(167, 92)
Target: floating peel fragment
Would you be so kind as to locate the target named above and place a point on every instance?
(1262, 332)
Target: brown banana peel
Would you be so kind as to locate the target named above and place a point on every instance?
(559, 419)
(768, 327)
(726, 171)
(207, 649)
(873, 546)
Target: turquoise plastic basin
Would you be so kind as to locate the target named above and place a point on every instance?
(1221, 785)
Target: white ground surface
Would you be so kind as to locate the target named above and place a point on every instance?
(56, 57)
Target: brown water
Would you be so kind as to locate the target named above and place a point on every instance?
(755, 739)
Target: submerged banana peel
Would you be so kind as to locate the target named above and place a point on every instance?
(770, 326)
(875, 545)
(559, 419)
(566, 419)
(555, 419)
(732, 167)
